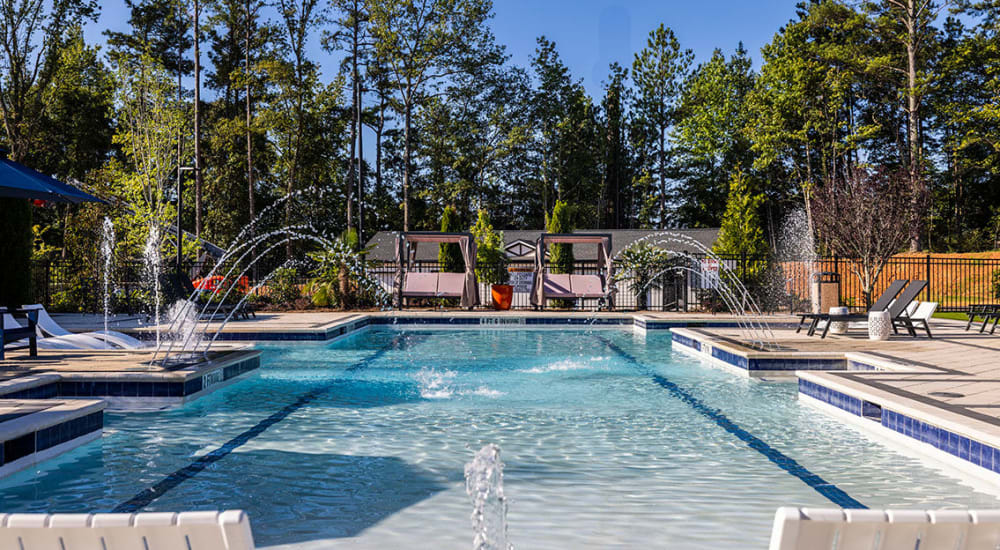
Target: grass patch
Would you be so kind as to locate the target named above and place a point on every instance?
(956, 315)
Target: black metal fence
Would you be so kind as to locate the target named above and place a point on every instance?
(955, 282)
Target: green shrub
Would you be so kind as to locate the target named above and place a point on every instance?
(995, 284)
(339, 275)
(645, 264)
(491, 260)
(741, 232)
(283, 287)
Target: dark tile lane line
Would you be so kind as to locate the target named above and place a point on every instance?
(835, 494)
(171, 481)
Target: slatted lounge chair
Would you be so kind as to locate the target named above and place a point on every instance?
(919, 317)
(71, 341)
(229, 530)
(896, 309)
(12, 331)
(561, 286)
(411, 284)
(829, 529)
(49, 327)
(888, 295)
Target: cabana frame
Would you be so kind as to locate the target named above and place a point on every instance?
(547, 286)
(406, 252)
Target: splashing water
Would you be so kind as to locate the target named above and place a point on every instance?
(240, 259)
(797, 246)
(152, 262)
(107, 254)
(185, 329)
(484, 485)
(747, 314)
(435, 384)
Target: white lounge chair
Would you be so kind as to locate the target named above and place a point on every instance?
(71, 341)
(49, 327)
(919, 317)
(229, 530)
(829, 529)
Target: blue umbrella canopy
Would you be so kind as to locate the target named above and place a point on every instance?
(19, 181)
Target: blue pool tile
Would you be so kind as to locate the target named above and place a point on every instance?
(974, 452)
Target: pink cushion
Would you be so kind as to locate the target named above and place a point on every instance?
(420, 284)
(558, 286)
(450, 285)
(586, 286)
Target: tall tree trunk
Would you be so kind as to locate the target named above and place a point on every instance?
(378, 152)
(197, 122)
(361, 164)
(249, 114)
(406, 166)
(354, 123)
(663, 179)
(180, 163)
(913, 129)
(807, 192)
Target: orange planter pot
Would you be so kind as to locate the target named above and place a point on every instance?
(503, 295)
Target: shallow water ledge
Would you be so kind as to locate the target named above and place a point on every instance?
(33, 430)
(734, 357)
(126, 382)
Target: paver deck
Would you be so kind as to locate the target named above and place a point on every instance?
(955, 374)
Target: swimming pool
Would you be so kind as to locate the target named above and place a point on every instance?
(611, 439)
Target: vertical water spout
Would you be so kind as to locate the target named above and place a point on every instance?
(151, 257)
(484, 485)
(107, 254)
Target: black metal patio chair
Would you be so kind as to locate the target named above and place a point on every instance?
(888, 295)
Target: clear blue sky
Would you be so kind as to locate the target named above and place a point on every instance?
(592, 33)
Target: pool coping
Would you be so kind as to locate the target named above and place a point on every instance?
(492, 319)
(758, 364)
(939, 432)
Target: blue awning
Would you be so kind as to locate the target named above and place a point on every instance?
(19, 181)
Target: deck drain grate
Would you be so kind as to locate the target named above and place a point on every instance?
(946, 394)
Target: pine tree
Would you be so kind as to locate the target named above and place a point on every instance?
(561, 254)
(424, 43)
(450, 254)
(741, 232)
(659, 71)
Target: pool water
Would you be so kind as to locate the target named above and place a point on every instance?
(611, 440)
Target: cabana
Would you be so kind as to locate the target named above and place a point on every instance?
(549, 286)
(435, 285)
